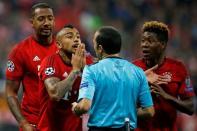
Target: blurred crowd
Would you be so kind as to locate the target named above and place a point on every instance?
(126, 15)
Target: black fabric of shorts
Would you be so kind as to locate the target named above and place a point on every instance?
(108, 129)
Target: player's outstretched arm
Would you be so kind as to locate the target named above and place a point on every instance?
(185, 106)
(12, 88)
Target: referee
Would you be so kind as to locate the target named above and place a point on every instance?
(111, 88)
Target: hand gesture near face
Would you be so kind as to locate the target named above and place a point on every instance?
(78, 60)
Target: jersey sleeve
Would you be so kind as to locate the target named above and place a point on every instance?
(87, 86)
(139, 63)
(15, 64)
(47, 69)
(186, 89)
(145, 98)
(89, 59)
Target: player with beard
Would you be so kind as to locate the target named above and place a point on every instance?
(177, 93)
(23, 65)
(59, 82)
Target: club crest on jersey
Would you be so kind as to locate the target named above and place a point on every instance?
(49, 71)
(168, 75)
(10, 66)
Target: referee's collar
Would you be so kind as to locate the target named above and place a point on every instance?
(113, 57)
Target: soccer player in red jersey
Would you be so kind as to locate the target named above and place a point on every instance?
(23, 65)
(59, 82)
(177, 94)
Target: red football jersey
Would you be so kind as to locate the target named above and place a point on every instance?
(180, 86)
(23, 64)
(57, 115)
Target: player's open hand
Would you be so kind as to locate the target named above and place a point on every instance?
(77, 60)
(152, 77)
(84, 58)
(158, 90)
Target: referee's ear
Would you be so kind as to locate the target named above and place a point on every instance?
(100, 48)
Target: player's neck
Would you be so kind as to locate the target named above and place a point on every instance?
(43, 40)
(156, 60)
(66, 57)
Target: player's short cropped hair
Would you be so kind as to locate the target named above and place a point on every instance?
(39, 5)
(110, 39)
(69, 26)
(159, 28)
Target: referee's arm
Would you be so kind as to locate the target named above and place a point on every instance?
(81, 107)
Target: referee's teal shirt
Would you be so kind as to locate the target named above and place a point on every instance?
(115, 86)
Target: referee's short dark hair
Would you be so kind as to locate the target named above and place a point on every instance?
(110, 39)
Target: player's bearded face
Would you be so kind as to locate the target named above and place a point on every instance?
(43, 22)
(151, 47)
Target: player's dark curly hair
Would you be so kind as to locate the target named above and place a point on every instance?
(159, 28)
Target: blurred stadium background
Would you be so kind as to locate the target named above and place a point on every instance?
(88, 15)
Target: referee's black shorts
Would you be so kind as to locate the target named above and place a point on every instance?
(92, 128)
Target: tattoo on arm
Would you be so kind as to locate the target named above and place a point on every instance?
(57, 88)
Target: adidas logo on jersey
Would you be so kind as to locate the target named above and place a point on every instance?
(65, 74)
(36, 58)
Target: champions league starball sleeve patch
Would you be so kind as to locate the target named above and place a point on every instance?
(189, 87)
(49, 71)
(10, 66)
